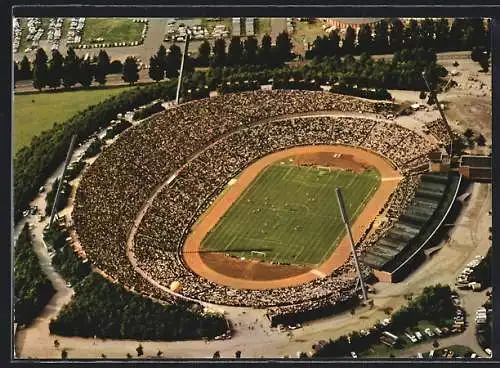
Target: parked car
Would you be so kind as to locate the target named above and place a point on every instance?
(429, 332)
(438, 331)
(420, 356)
(419, 335)
(489, 352)
(354, 355)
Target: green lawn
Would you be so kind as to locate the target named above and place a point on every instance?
(112, 30)
(290, 213)
(37, 112)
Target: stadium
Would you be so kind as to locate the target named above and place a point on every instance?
(230, 200)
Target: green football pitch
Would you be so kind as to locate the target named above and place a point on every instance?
(289, 214)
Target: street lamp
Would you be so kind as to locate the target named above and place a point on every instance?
(434, 94)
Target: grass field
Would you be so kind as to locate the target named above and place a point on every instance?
(290, 213)
(37, 112)
(112, 30)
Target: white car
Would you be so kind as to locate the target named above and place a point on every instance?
(411, 337)
(438, 331)
(354, 355)
(386, 322)
(419, 335)
(420, 356)
(429, 332)
(489, 352)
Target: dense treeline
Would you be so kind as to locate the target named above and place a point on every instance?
(404, 71)
(100, 308)
(32, 288)
(33, 164)
(386, 37)
(434, 304)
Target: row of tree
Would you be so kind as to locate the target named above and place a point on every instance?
(100, 308)
(32, 288)
(434, 304)
(404, 71)
(63, 71)
(388, 37)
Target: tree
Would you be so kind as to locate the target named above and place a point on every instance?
(265, 50)
(468, 133)
(475, 33)
(235, 51)
(129, 356)
(349, 41)
(412, 35)
(457, 32)
(203, 58)
(435, 344)
(283, 47)
(161, 56)
(25, 69)
(40, 70)
(85, 73)
(237, 355)
(140, 350)
(485, 64)
(396, 35)
(428, 29)
(102, 67)
(159, 353)
(442, 34)
(64, 354)
(155, 71)
(480, 140)
(219, 49)
(422, 95)
(173, 61)
(216, 355)
(55, 70)
(365, 39)
(381, 39)
(130, 70)
(250, 50)
(71, 67)
(334, 43)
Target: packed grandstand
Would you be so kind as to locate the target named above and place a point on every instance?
(189, 153)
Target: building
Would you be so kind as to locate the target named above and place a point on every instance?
(475, 167)
(236, 27)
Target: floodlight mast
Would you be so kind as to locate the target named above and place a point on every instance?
(434, 95)
(345, 219)
(66, 162)
(179, 82)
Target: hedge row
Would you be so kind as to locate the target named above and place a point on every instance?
(148, 111)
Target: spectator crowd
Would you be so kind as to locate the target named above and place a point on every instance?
(199, 146)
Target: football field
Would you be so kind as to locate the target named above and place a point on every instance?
(289, 214)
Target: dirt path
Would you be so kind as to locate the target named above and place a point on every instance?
(191, 250)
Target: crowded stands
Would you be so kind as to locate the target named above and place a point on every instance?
(204, 144)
